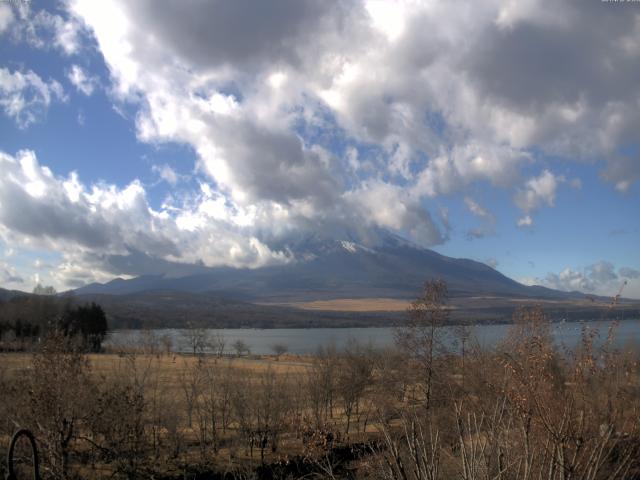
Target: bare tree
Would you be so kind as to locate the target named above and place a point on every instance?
(354, 375)
(218, 344)
(167, 344)
(462, 337)
(57, 399)
(321, 385)
(411, 453)
(117, 426)
(191, 382)
(131, 415)
(149, 342)
(421, 337)
(241, 348)
(261, 408)
(197, 339)
(279, 349)
(210, 406)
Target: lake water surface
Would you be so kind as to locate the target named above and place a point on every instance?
(308, 340)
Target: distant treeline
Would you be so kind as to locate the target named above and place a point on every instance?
(157, 309)
(172, 309)
(26, 319)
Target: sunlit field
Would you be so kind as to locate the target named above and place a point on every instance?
(524, 408)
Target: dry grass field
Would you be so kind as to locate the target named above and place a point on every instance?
(169, 368)
(524, 409)
(172, 365)
(354, 305)
(219, 413)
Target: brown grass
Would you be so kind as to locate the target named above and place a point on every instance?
(354, 305)
(467, 416)
(172, 364)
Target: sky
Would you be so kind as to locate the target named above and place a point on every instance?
(152, 136)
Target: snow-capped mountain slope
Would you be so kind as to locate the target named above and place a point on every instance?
(327, 269)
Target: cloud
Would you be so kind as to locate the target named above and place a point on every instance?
(443, 215)
(34, 203)
(236, 102)
(43, 29)
(99, 229)
(569, 280)
(525, 221)
(103, 230)
(488, 218)
(85, 84)
(492, 262)
(476, 209)
(599, 277)
(166, 173)
(9, 275)
(601, 272)
(538, 191)
(479, 68)
(25, 97)
(627, 272)
(6, 17)
(387, 206)
(623, 173)
(472, 51)
(413, 81)
(305, 115)
(575, 90)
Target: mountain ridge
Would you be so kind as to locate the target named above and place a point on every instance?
(393, 268)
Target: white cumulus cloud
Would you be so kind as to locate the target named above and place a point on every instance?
(6, 17)
(25, 97)
(108, 230)
(537, 191)
(307, 115)
(85, 83)
(40, 28)
(599, 278)
(525, 221)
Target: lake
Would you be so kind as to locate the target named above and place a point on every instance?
(308, 340)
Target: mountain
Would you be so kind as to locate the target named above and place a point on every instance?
(6, 295)
(334, 283)
(339, 269)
